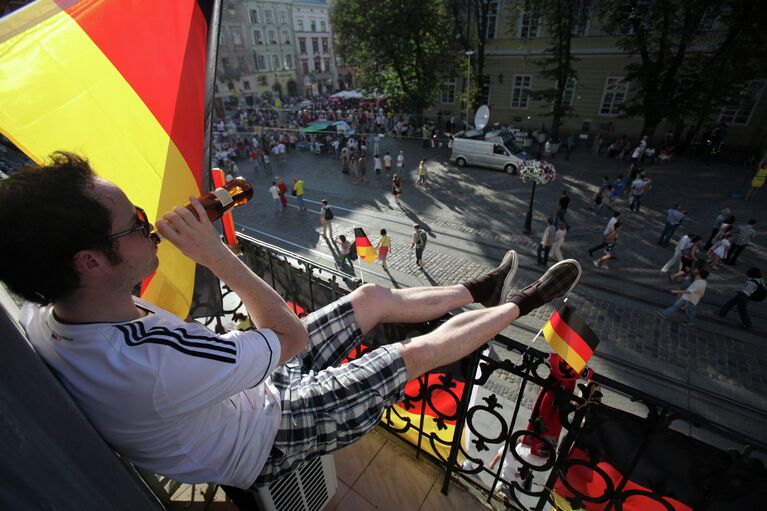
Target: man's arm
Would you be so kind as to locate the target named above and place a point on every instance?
(199, 241)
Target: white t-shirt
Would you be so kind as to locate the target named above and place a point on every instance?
(275, 192)
(387, 160)
(637, 186)
(400, 160)
(170, 396)
(682, 245)
(610, 225)
(694, 293)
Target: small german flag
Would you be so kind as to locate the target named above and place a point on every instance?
(364, 248)
(570, 337)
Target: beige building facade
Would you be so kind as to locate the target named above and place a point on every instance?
(516, 45)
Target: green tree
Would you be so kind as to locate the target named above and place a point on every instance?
(401, 47)
(561, 18)
(687, 67)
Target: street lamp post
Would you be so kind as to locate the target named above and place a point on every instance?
(469, 53)
(528, 227)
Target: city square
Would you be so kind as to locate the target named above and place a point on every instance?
(298, 113)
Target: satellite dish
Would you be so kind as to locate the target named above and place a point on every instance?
(481, 117)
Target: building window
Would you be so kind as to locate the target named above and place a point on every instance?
(225, 62)
(262, 80)
(272, 37)
(301, 25)
(568, 95)
(268, 16)
(529, 21)
(582, 21)
(520, 90)
(614, 95)
(302, 45)
(448, 91)
(313, 25)
(237, 38)
(492, 20)
(257, 37)
(317, 63)
(283, 17)
(305, 67)
(289, 61)
(485, 93)
(286, 37)
(323, 26)
(325, 46)
(254, 16)
(260, 63)
(276, 62)
(230, 85)
(315, 45)
(246, 85)
(742, 107)
(242, 63)
(327, 64)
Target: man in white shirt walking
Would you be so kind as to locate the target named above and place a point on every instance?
(546, 241)
(688, 298)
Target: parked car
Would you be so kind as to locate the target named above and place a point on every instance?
(493, 154)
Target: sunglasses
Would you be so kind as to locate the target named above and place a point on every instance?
(142, 225)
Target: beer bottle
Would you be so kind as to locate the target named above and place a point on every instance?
(217, 202)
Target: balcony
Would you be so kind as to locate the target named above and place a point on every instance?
(434, 450)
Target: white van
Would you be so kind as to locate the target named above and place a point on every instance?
(486, 153)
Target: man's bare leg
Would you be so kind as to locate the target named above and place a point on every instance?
(374, 304)
(455, 338)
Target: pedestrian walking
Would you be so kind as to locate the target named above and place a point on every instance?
(562, 205)
(377, 165)
(758, 181)
(676, 259)
(362, 167)
(419, 243)
(384, 244)
(546, 241)
(753, 290)
(344, 249)
(726, 227)
(690, 260)
(718, 221)
(610, 227)
(275, 191)
(740, 238)
(600, 193)
(559, 240)
(298, 192)
(569, 145)
(326, 219)
(688, 298)
(610, 240)
(422, 173)
(345, 163)
(674, 217)
(396, 187)
(387, 163)
(400, 162)
(638, 189)
(719, 251)
(607, 200)
(283, 193)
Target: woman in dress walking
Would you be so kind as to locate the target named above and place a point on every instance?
(559, 240)
(384, 243)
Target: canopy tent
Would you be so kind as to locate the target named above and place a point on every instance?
(348, 94)
(315, 126)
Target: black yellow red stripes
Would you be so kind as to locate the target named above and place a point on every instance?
(365, 249)
(570, 337)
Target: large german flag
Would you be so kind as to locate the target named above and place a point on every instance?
(364, 248)
(124, 84)
(570, 337)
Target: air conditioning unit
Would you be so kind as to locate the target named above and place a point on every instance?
(307, 489)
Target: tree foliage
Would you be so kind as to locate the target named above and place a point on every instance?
(685, 62)
(403, 48)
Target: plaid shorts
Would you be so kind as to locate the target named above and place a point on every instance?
(325, 405)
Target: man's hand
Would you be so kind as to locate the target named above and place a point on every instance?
(195, 237)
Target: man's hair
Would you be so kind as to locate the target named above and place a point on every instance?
(703, 274)
(752, 221)
(754, 273)
(416, 226)
(47, 215)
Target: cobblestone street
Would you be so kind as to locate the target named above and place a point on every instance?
(473, 215)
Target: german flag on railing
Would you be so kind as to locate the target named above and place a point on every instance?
(123, 84)
(364, 248)
(570, 337)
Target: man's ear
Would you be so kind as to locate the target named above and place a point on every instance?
(90, 263)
